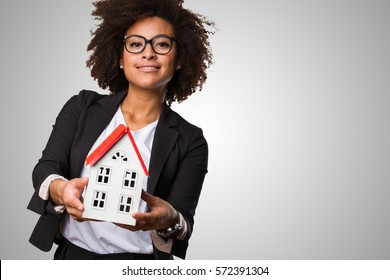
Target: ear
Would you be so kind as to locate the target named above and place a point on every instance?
(121, 63)
(178, 63)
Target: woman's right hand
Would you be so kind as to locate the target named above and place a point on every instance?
(68, 193)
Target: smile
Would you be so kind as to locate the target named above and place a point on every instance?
(148, 68)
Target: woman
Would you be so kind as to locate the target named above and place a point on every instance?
(148, 54)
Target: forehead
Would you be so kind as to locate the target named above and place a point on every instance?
(150, 27)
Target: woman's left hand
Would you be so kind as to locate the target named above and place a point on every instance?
(162, 215)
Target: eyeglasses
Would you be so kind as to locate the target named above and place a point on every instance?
(161, 44)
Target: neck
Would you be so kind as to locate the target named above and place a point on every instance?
(140, 108)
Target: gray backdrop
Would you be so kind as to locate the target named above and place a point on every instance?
(295, 110)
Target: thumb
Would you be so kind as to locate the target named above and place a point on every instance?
(147, 197)
(81, 182)
(76, 189)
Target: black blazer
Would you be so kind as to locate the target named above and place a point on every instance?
(178, 162)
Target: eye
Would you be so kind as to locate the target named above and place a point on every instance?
(135, 44)
(162, 43)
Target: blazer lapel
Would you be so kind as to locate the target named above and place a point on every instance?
(164, 141)
(99, 116)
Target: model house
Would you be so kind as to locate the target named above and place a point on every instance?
(116, 179)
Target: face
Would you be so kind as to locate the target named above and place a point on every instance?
(148, 70)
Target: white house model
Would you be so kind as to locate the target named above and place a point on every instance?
(116, 179)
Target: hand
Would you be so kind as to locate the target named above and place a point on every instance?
(162, 215)
(68, 193)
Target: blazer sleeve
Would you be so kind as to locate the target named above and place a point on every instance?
(55, 156)
(187, 185)
(188, 182)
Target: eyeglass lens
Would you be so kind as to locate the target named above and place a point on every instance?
(160, 44)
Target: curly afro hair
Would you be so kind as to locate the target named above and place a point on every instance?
(192, 37)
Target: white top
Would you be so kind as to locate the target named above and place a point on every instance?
(105, 237)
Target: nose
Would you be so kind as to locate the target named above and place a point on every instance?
(148, 52)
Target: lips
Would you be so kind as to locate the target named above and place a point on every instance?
(148, 68)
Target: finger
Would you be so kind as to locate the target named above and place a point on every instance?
(74, 192)
(76, 218)
(84, 181)
(74, 212)
(80, 183)
(144, 226)
(149, 221)
(147, 197)
(80, 220)
(143, 217)
(76, 204)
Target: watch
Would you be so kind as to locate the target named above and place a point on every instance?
(170, 231)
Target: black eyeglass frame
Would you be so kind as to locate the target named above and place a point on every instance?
(171, 39)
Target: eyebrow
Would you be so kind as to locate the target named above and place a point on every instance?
(158, 35)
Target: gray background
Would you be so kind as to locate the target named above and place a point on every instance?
(295, 110)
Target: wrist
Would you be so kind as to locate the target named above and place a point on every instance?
(56, 189)
(172, 230)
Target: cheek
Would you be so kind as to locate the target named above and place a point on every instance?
(173, 64)
(172, 68)
(127, 60)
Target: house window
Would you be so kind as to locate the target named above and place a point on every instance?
(119, 155)
(130, 179)
(103, 176)
(99, 199)
(125, 204)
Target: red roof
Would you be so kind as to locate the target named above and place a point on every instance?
(109, 142)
